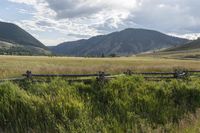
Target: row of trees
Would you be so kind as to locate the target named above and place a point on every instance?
(15, 51)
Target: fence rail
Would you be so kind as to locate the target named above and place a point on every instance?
(29, 74)
(154, 73)
(13, 79)
(177, 74)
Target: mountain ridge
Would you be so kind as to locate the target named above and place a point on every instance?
(126, 42)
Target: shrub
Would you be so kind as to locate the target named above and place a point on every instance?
(125, 104)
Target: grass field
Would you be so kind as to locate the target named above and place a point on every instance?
(140, 105)
(11, 66)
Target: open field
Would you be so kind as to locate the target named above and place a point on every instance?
(124, 104)
(11, 66)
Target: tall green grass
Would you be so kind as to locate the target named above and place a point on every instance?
(125, 104)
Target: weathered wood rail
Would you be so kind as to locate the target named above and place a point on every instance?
(13, 79)
(177, 74)
(30, 75)
(101, 76)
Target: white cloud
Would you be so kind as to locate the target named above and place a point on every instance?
(52, 42)
(86, 8)
(1, 19)
(169, 16)
(191, 36)
(28, 2)
(75, 19)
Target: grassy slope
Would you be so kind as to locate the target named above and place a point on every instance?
(5, 44)
(12, 33)
(16, 65)
(7, 48)
(185, 54)
(190, 50)
(188, 46)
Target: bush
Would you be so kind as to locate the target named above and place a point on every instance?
(125, 104)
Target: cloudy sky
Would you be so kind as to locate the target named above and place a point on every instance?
(55, 21)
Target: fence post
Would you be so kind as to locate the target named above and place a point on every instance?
(175, 73)
(187, 74)
(178, 73)
(101, 76)
(128, 72)
(28, 74)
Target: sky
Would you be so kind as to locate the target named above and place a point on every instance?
(57, 21)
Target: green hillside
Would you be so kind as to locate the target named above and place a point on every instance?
(193, 45)
(15, 40)
(189, 50)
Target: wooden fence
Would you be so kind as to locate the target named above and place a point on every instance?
(101, 76)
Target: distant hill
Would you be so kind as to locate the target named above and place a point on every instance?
(126, 42)
(15, 40)
(193, 45)
(190, 50)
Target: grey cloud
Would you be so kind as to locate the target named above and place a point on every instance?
(79, 35)
(85, 18)
(44, 23)
(73, 8)
(179, 16)
(107, 28)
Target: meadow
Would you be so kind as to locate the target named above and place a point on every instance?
(125, 104)
(14, 66)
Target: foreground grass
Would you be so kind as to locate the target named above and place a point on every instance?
(126, 104)
(190, 124)
(11, 66)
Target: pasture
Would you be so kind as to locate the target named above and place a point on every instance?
(124, 104)
(13, 66)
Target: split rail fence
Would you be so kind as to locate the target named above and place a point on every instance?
(101, 76)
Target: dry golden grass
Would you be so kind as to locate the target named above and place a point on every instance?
(190, 124)
(11, 66)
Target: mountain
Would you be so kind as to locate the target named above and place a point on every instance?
(15, 40)
(126, 42)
